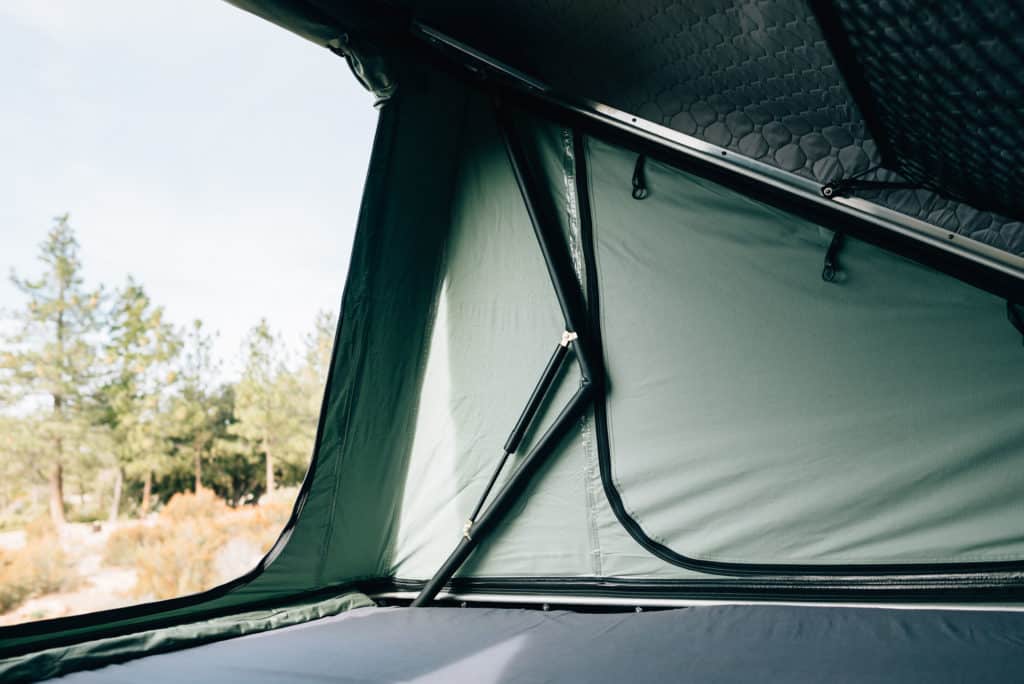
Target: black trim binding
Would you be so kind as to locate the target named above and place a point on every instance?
(886, 571)
(1015, 314)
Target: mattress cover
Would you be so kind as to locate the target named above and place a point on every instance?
(726, 643)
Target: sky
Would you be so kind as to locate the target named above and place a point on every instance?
(211, 155)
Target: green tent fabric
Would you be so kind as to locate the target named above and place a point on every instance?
(88, 655)
(361, 32)
(752, 419)
(408, 158)
(868, 421)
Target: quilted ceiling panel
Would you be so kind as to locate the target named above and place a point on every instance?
(753, 76)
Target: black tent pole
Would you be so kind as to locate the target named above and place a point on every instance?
(556, 255)
(508, 494)
(540, 391)
(572, 303)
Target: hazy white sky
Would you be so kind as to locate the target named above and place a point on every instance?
(216, 157)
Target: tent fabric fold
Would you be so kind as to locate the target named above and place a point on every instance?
(102, 652)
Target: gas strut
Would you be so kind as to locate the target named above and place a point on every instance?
(573, 306)
(540, 391)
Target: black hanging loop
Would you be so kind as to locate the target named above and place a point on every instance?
(831, 269)
(1015, 313)
(639, 181)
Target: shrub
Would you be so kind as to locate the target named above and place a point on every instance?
(41, 567)
(192, 507)
(125, 543)
(176, 555)
(198, 542)
(41, 530)
(263, 524)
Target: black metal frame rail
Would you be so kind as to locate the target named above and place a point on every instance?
(980, 265)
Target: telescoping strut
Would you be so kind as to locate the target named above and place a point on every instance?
(573, 306)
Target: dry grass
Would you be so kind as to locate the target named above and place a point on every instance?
(41, 567)
(196, 543)
(123, 544)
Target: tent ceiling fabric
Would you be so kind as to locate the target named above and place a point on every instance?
(756, 77)
(363, 33)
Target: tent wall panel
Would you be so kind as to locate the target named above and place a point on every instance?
(758, 414)
(496, 321)
(391, 290)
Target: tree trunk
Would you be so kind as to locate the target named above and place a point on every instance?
(197, 467)
(115, 505)
(57, 495)
(57, 471)
(147, 494)
(270, 472)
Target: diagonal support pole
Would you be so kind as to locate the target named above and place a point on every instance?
(572, 303)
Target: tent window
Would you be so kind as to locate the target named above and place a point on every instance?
(165, 339)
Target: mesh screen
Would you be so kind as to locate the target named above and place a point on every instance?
(942, 90)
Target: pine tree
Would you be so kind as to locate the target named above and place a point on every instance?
(196, 408)
(49, 359)
(137, 352)
(319, 346)
(268, 405)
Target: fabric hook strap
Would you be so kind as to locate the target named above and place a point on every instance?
(639, 180)
(831, 268)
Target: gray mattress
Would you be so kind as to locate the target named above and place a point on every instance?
(699, 644)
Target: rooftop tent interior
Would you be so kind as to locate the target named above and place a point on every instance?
(766, 396)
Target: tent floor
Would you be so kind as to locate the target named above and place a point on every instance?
(700, 644)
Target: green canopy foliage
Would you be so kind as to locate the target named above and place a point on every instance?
(269, 406)
(99, 389)
(136, 354)
(48, 364)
